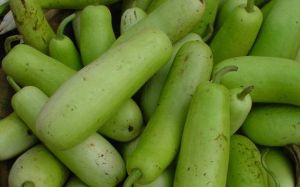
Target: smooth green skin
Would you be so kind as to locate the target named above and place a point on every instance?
(164, 180)
(245, 168)
(298, 56)
(239, 109)
(95, 161)
(90, 98)
(28, 66)
(151, 91)
(32, 24)
(127, 148)
(71, 4)
(203, 27)
(175, 18)
(143, 4)
(226, 9)
(15, 137)
(273, 125)
(38, 166)
(204, 152)
(237, 34)
(96, 32)
(126, 124)
(64, 50)
(273, 39)
(23, 63)
(266, 9)
(130, 17)
(271, 83)
(154, 4)
(75, 182)
(281, 167)
(160, 140)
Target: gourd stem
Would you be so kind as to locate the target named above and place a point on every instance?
(245, 92)
(219, 74)
(132, 178)
(9, 40)
(63, 24)
(250, 5)
(13, 83)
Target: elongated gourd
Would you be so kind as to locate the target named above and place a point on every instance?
(32, 24)
(62, 48)
(271, 83)
(29, 67)
(225, 10)
(204, 151)
(96, 32)
(37, 167)
(89, 99)
(15, 137)
(245, 167)
(280, 32)
(95, 161)
(205, 27)
(238, 32)
(273, 124)
(152, 89)
(184, 14)
(160, 139)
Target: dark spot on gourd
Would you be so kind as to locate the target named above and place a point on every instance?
(134, 12)
(130, 128)
(41, 70)
(221, 136)
(35, 27)
(92, 145)
(44, 40)
(23, 3)
(106, 173)
(29, 132)
(186, 58)
(188, 169)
